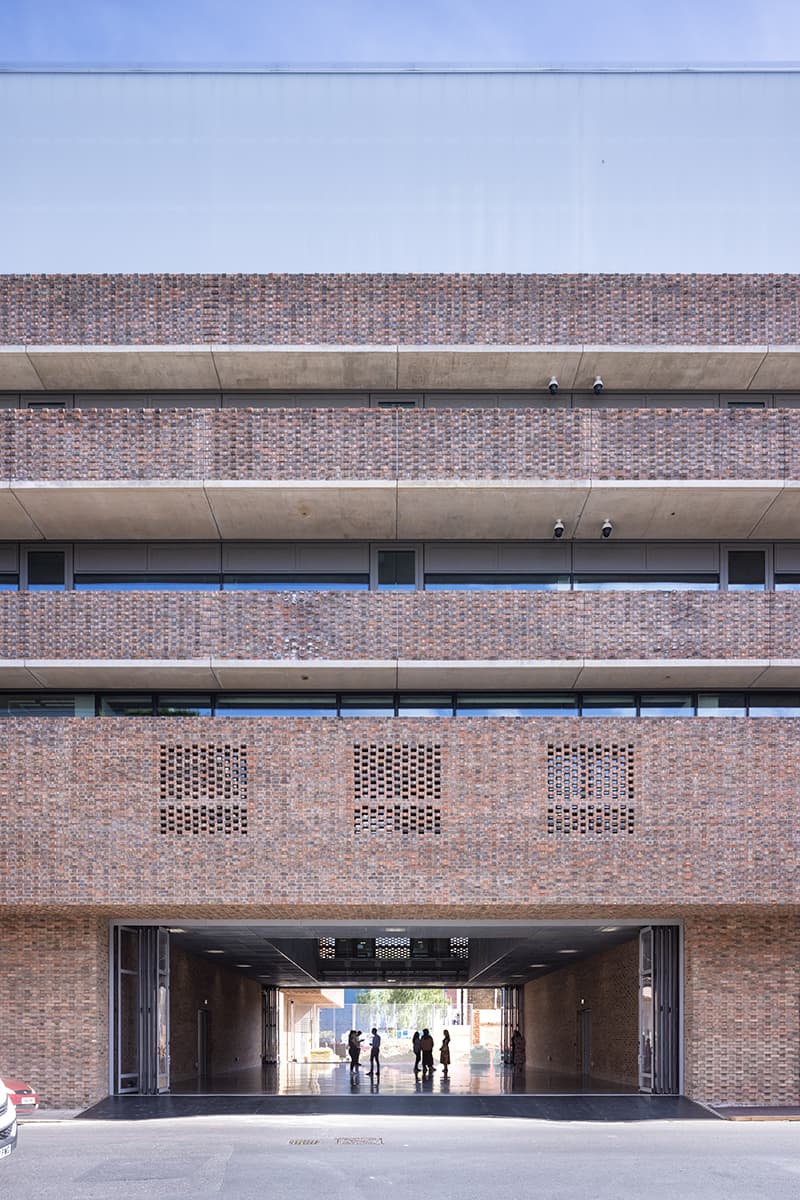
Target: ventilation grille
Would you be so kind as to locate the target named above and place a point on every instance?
(397, 772)
(203, 789)
(392, 949)
(588, 788)
(397, 818)
(327, 947)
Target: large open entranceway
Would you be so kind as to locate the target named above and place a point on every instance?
(223, 1009)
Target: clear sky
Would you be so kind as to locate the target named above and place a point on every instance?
(290, 32)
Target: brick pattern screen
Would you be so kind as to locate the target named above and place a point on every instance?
(397, 788)
(588, 787)
(202, 789)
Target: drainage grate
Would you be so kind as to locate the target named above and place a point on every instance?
(303, 1141)
(359, 1141)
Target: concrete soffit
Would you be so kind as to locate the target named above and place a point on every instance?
(406, 367)
(309, 675)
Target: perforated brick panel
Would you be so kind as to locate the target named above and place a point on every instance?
(203, 788)
(397, 771)
(397, 818)
(203, 818)
(409, 775)
(327, 947)
(588, 787)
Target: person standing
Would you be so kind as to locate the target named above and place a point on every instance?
(354, 1049)
(518, 1050)
(374, 1053)
(415, 1041)
(444, 1052)
(426, 1046)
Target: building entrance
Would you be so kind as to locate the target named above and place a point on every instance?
(213, 1008)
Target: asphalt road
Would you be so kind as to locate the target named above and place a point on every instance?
(442, 1157)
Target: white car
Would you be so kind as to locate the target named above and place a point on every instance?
(8, 1123)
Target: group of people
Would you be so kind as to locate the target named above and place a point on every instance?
(422, 1044)
(354, 1039)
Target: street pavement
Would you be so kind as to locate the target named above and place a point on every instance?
(345, 1158)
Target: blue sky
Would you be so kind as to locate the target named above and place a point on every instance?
(262, 32)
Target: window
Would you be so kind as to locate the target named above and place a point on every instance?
(397, 570)
(747, 570)
(311, 705)
(183, 706)
(667, 706)
(612, 705)
(647, 583)
(516, 706)
(723, 704)
(322, 582)
(126, 706)
(94, 582)
(46, 571)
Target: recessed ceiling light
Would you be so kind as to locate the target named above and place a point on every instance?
(609, 929)
(568, 952)
(176, 931)
(537, 964)
(244, 964)
(215, 951)
(395, 928)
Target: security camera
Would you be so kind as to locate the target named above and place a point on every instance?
(558, 529)
(552, 386)
(606, 529)
(597, 386)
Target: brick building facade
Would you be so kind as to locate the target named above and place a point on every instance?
(207, 484)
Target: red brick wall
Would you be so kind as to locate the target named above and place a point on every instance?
(419, 626)
(606, 984)
(425, 444)
(714, 819)
(385, 309)
(54, 1003)
(233, 1003)
(742, 1012)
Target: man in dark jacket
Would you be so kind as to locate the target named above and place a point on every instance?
(426, 1046)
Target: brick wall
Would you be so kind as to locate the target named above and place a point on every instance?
(233, 1003)
(606, 984)
(386, 309)
(54, 1003)
(421, 626)
(713, 809)
(424, 444)
(742, 1016)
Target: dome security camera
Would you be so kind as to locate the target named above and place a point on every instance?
(558, 529)
(606, 529)
(597, 386)
(552, 386)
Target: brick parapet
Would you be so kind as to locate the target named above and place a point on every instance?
(410, 309)
(422, 626)
(419, 444)
(712, 799)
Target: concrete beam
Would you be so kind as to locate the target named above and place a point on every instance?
(16, 371)
(385, 368)
(306, 368)
(303, 508)
(319, 675)
(138, 509)
(668, 368)
(386, 509)
(124, 368)
(470, 368)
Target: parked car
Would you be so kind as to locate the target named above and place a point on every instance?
(22, 1094)
(8, 1123)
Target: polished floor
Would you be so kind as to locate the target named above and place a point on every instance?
(395, 1079)
(487, 1091)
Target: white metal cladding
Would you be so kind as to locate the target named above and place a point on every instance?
(532, 171)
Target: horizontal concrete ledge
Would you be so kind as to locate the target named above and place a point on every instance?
(244, 675)
(214, 366)
(434, 509)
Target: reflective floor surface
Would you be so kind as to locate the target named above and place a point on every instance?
(395, 1079)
